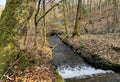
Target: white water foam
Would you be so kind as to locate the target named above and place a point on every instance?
(77, 72)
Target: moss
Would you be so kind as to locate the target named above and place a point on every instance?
(116, 67)
(59, 78)
(10, 19)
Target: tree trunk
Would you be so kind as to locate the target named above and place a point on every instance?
(100, 5)
(78, 19)
(107, 17)
(14, 20)
(65, 17)
(44, 26)
(115, 15)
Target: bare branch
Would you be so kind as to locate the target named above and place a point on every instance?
(36, 14)
(48, 11)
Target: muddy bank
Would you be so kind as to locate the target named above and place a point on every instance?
(99, 51)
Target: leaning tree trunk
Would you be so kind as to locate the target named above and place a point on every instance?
(13, 22)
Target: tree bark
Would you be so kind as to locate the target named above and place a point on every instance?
(115, 14)
(14, 19)
(78, 19)
(44, 26)
(65, 17)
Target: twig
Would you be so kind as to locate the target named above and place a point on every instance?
(8, 77)
(36, 14)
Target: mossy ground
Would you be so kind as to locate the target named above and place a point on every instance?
(59, 78)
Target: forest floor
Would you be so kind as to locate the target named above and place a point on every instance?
(40, 68)
(32, 74)
(105, 46)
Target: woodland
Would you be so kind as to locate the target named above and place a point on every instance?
(91, 28)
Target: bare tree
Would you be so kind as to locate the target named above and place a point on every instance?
(78, 19)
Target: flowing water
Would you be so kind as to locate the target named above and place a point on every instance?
(74, 69)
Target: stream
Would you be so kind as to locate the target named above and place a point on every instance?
(74, 69)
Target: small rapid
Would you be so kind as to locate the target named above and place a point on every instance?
(77, 72)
